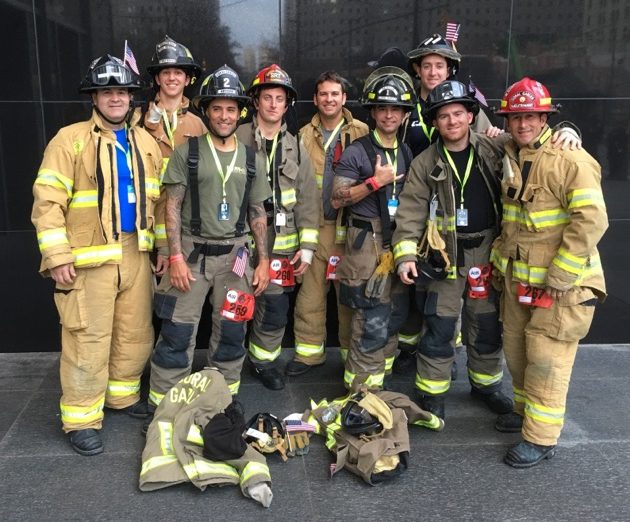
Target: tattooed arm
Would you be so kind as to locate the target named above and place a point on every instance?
(258, 225)
(179, 271)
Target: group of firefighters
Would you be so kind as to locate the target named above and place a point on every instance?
(428, 219)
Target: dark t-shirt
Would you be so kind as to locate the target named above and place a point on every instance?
(477, 198)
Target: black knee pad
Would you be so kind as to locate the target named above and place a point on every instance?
(170, 350)
(489, 333)
(275, 312)
(354, 297)
(164, 305)
(231, 342)
(399, 313)
(375, 328)
(436, 341)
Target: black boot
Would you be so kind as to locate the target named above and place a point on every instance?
(298, 368)
(509, 423)
(527, 454)
(405, 362)
(496, 401)
(270, 377)
(432, 403)
(139, 410)
(86, 442)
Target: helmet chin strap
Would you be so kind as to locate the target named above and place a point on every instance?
(112, 122)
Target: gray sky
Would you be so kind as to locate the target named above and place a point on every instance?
(251, 21)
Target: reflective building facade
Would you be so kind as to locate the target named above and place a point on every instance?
(579, 49)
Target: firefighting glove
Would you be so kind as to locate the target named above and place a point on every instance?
(436, 242)
(297, 443)
(377, 283)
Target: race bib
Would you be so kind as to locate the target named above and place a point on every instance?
(281, 272)
(531, 296)
(238, 306)
(331, 268)
(479, 281)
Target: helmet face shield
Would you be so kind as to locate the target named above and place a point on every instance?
(111, 74)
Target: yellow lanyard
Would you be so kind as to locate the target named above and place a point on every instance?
(428, 133)
(466, 174)
(389, 159)
(226, 176)
(272, 156)
(333, 135)
(170, 131)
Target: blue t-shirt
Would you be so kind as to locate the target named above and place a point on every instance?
(126, 191)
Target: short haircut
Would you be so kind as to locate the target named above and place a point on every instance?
(330, 76)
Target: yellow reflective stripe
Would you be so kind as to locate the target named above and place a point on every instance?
(498, 261)
(547, 218)
(484, 379)
(343, 353)
(258, 352)
(431, 386)
(234, 387)
(96, 254)
(309, 350)
(204, 467)
(160, 231)
(519, 395)
(409, 339)
(584, 197)
(348, 378)
(146, 239)
(375, 380)
(163, 168)
(309, 235)
(84, 199)
(283, 242)
(511, 213)
(54, 179)
(434, 423)
(330, 432)
(544, 414)
(340, 234)
(593, 267)
(52, 237)
(123, 388)
(452, 274)
(533, 275)
(81, 414)
(166, 437)
(405, 248)
(439, 223)
(152, 187)
(157, 462)
(389, 363)
(194, 435)
(254, 468)
(288, 197)
(155, 398)
(569, 262)
(319, 178)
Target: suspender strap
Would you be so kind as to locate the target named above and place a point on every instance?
(381, 194)
(251, 174)
(193, 184)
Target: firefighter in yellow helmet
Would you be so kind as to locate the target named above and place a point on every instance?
(94, 205)
(546, 257)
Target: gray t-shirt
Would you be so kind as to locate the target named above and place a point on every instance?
(355, 164)
(211, 188)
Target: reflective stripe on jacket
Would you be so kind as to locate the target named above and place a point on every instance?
(552, 221)
(76, 211)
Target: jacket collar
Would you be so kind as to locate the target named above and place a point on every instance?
(258, 136)
(316, 121)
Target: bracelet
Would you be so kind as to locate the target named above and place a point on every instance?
(175, 258)
(372, 184)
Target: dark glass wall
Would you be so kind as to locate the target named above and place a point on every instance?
(579, 49)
